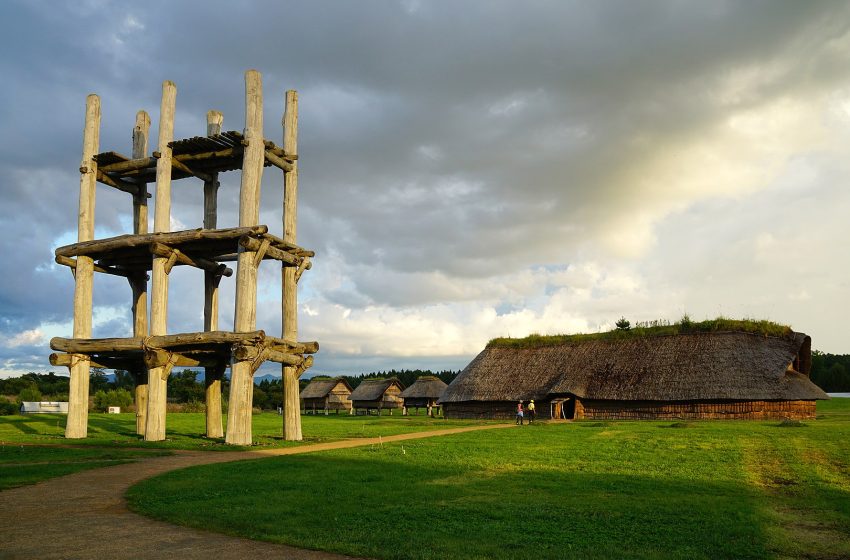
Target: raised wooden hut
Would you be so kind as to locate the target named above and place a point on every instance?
(325, 395)
(424, 393)
(722, 375)
(377, 394)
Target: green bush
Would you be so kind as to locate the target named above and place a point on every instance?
(29, 394)
(7, 408)
(118, 397)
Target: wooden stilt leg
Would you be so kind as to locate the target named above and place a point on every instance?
(241, 377)
(291, 419)
(78, 394)
(157, 377)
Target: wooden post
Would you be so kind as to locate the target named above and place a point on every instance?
(78, 393)
(212, 375)
(157, 384)
(139, 283)
(245, 316)
(291, 418)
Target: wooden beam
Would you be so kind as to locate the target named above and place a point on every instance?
(139, 282)
(261, 251)
(212, 375)
(289, 294)
(121, 185)
(78, 393)
(241, 382)
(157, 387)
(177, 164)
(68, 360)
(178, 256)
(255, 353)
(253, 244)
(167, 238)
(96, 345)
(278, 162)
(159, 357)
(279, 152)
(305, 265)
(134, 164)
(72, 263)
(226, 153)
(310, 347)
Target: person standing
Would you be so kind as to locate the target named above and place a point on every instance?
(519, 414)
(531, 412)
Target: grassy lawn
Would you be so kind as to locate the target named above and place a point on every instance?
(21, 465)
(185, 430)
(647, 490)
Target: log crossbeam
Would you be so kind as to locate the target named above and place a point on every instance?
(120, 184)
(175, 256)
(72, 264)
(278, 162)
(202, 349)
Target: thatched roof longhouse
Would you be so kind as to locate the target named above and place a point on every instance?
(683, 367)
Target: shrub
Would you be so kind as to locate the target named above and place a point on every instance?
(29, 394)
(7, 407)
(194, 406)
(118, 397)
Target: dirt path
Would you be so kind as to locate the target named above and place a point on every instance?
(84, 516)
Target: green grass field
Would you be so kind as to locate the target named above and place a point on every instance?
(185, 430)
(647, 490)
(110, 436)
(24, 464)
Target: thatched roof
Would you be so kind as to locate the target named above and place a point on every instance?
(425, 387)
(373, 389)
(319, 388)
(683, 367)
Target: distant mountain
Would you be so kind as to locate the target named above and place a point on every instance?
(267, 377)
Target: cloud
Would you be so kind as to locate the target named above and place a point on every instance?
(464, 174)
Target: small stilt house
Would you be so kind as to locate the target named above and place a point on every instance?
(694, 375)
(424, 393)
(377, 394)
(324, 395)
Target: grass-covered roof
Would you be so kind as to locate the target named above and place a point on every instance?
(654, 328)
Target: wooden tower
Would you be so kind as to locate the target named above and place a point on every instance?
(151, 353)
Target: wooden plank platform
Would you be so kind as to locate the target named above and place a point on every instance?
(191, 157)
(201, 248)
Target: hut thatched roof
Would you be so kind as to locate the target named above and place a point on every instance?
(319, 388)
(425, 387)
(683, 367)
(373, 389)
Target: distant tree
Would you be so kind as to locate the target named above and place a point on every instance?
(183, 387)
(98, 380)
(123, 380)
(29, 394)
(623, 324)
(831, 372)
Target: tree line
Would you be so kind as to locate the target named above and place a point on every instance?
(184, 388)
(831, 372)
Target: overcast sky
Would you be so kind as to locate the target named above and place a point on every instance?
(467, 170)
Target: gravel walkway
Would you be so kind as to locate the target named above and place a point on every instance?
(84, 516)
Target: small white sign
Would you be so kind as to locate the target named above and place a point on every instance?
(114, 410)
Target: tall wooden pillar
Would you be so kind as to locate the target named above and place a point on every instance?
(212, 375)
(289, 312)
(157, 377)
(78, 393)
(245, 317)
(139, 283)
